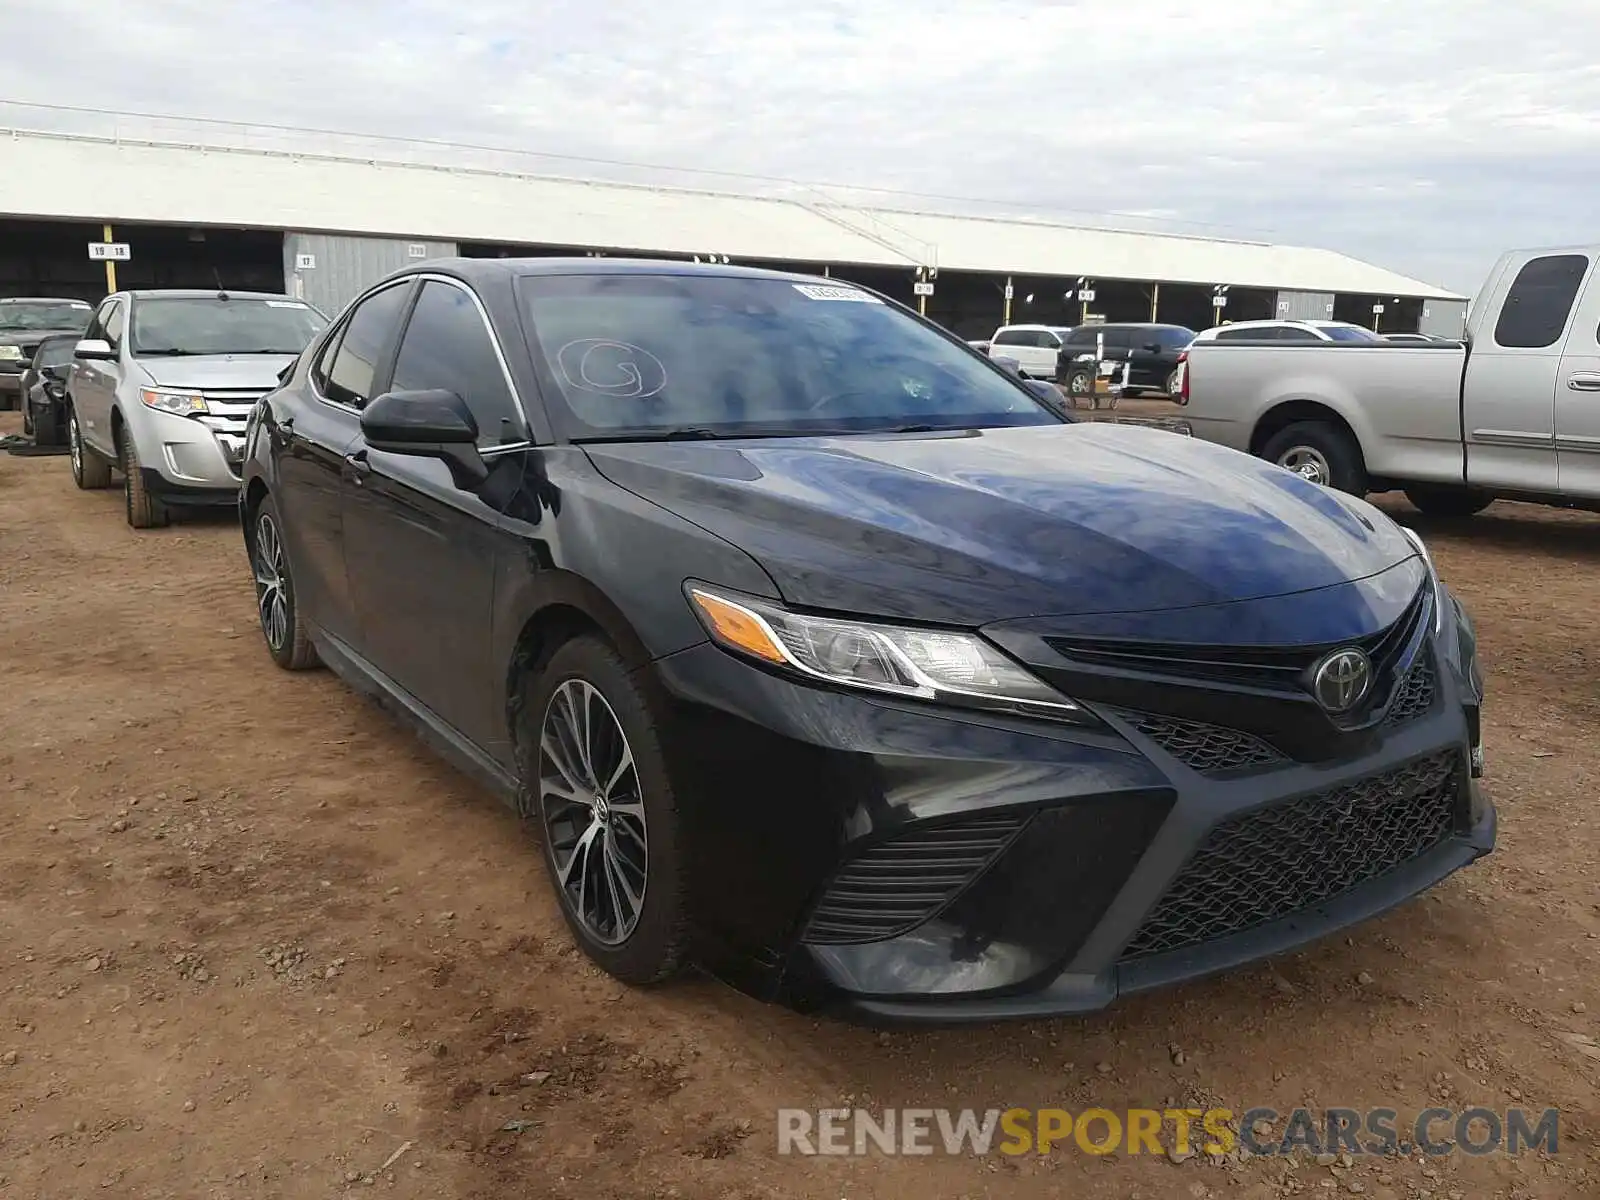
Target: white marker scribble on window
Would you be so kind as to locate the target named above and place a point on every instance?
(611, 368)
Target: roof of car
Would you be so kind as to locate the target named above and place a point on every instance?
(485, 268)
(202, 294)
(43, 300)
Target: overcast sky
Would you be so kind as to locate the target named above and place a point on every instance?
(1423, 135)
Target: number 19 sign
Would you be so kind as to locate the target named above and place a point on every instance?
(109, 252)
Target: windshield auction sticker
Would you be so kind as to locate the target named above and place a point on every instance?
(818, 291)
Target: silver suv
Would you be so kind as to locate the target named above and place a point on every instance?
(162, 384)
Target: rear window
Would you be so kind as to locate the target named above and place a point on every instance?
(1540, 300)
(1175, 339)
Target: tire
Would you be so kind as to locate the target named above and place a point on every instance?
(1320, 452)
(277, 611)
(647, 947)
(89, 471)
(144, 510)
(1080, 384)
(46, 429)
(1443, 501)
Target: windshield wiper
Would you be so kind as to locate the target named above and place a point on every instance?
(165, 352)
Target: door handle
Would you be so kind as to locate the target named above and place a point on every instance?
(1584, 381)
(356, 467)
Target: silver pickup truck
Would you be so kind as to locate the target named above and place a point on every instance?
(1511, 412)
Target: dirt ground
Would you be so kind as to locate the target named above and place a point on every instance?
(256, 941)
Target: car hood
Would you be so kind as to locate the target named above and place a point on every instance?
(244, 371)
(975, 527)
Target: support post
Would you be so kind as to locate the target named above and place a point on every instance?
(111, 267)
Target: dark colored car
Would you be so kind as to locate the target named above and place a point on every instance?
(820, 652)
(25, 321)
(1151, 352)
(44, 390)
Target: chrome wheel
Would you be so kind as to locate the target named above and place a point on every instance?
(1308, 463)
(74, 444)
(1080, 384)
(592, 812)
(272, 601)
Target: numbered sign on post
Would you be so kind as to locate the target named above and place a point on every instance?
(109, 252)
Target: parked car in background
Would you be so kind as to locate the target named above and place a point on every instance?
(1151, 352)
(740, 584)
(1288, 331)
(44, 390)
(25, 321)
(162, 383)
(981, 345)
(1033, 346)
(1514, 411)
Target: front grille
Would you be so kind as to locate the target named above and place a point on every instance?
(229, 413)
(1273, 668)
(1208, 749)
(897, 885)
(1264, 865)
(1414, 696)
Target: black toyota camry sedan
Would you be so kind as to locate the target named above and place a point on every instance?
(819, 652)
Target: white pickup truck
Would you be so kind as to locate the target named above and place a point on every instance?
(1513, 412)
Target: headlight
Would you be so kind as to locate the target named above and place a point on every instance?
(922, 664)
(1433, 575)
(11, 353)
(172, 400)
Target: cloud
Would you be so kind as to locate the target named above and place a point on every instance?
(1426, 135)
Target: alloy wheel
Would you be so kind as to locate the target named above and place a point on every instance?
(272, 601)
(593, 813)
(74, 444)
(1308, 463)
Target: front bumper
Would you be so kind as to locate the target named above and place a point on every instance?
(909, 864)
(189, 460)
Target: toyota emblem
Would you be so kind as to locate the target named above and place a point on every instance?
(1341, 680)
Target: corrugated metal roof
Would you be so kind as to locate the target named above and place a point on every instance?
(100, 179)
(1030, 247)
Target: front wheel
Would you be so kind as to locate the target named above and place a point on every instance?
(1321, 453)
(288, 640)
(144, 510)
(1445, 501)
(596, 782)
(89, 471)
(1080, 383)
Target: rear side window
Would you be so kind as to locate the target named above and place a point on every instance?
(1540, 301)
(1010, 337)
(361, 346)
(1244, 335)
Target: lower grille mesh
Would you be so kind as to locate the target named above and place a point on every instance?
(1414, 696)
(895, 886)
(1208, 749)
(1268, 864)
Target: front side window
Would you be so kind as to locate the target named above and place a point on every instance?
(646, 355)
(1540, 300)
(446, 345)
(1243, 335)
(367, 334)
(115, 318)
(176, 326)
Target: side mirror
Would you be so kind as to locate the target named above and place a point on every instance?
(94, 349)
(434, 423)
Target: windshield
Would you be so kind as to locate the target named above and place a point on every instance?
(700, 355)
(1350, 333)
(54, 352)
(207, 325)
(21, 315)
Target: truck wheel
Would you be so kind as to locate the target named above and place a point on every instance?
(1320, 452)
(1441, 501)
(89, 470)
(144, 510)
